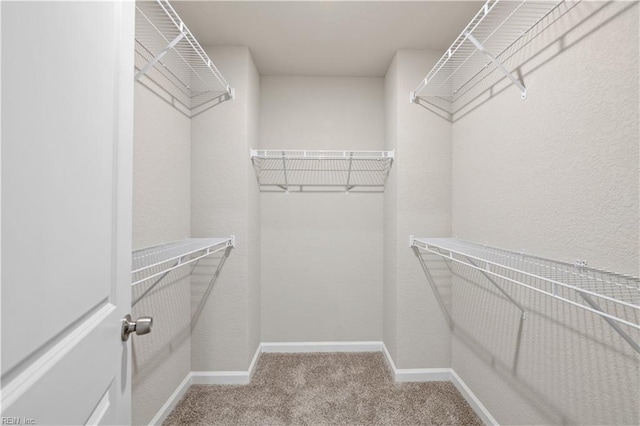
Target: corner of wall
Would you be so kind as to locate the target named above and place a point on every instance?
(555, 174)
(421, 188)
(253, 193)
(390, 218)
(225, 202)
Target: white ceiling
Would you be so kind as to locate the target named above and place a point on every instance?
(332, 38)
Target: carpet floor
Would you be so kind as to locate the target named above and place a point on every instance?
(323, 388)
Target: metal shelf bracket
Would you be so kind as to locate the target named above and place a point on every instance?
(499, 65)
(491, 34)
(163, 52)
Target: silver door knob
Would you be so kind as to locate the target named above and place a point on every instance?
(141, 326)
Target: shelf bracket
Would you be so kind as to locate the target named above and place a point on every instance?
(347, 187)
(155, 283)
(160, 55)
(284, 169)
(523, 313)
(611, 322)
(497, 63)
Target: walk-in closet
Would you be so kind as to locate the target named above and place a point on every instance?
(320, 212)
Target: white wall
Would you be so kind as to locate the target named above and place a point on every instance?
(418, 202)
(224, 202)
(321, 253)
(161, 213)
(556, 175)
(392, 98)
(253, 197)
(163, 195)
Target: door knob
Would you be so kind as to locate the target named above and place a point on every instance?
(141, 326)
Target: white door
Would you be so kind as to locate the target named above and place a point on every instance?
(67, 111)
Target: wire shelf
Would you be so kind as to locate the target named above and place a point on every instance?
(322, 171)
(158, 261)
(616, 297)
(164, 43)
(492, 31)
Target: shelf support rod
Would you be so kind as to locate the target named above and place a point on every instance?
(498, 64)
(347, 188)
(284, 169)
(523, 313)
(155, 283)
(160, 55)
(445, 310)
(611, 322)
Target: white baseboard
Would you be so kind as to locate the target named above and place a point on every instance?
(416, 374)
(472, 400)
(307, 347)
(405, 375)
(254, 361)
(220, 377)
(227, 377)
(175, 397)
(400, 374)
(440, 375)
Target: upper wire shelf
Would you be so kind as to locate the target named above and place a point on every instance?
(164, 43)
(321, 171)
(155, 263)
(492, 31)
(613, 296)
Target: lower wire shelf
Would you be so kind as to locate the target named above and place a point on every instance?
(156, 262)
(613, 296)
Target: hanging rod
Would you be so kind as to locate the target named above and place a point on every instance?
(321, 170)
(496, 27)
(603, 293)
(164, 43)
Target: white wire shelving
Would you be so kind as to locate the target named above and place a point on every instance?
(155, 263)
(164, 44)
(321, 171)
(493, 30)
(613, 296)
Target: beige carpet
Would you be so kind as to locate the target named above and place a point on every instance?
(314, 389)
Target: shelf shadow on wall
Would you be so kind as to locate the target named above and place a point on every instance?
(566, 355)
(207, 290)
(447, 306)
(438, 105)
(170, 303)
(546, 41)
(559, 350)
(170, 93)
(506, 370)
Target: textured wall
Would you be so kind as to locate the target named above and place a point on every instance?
(390, 213)
(161, 213)
(253, 197)
(223, 203)
(321, 253)
(556, 175)
(418, 203)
